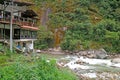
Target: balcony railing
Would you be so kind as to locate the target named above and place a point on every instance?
(19, 21)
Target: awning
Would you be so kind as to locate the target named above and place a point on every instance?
(29, 27)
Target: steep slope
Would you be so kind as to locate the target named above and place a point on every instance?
(91, 24)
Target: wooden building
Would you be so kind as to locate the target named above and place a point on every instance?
(24, 22)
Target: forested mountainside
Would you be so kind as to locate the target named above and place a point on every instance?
(91, 24)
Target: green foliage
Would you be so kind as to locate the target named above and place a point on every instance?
(45, 38)
(41, 44)
(38, 69)
(3, 59)
(84, 2)
(110, 25)
(77, 36)
(109, 8)
(99, 32)
(68, 15)
(84, 35)
(90, 23)
(108, 32)
(4, 49)
(69, 45)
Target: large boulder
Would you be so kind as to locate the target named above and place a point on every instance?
(83, 53)
(116, 60)
(101, 54)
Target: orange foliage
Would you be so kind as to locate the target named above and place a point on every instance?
(58, 36)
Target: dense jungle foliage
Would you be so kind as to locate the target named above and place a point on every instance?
(91, 24)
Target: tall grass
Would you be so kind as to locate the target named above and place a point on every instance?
(25, 68)
(36, 69)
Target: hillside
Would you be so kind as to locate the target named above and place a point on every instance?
(91, 24)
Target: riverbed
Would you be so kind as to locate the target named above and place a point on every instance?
(91, 68)
(88, 68)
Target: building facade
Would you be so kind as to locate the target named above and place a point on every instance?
(24, 24)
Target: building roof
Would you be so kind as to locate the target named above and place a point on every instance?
(29, 27)
(19, 2)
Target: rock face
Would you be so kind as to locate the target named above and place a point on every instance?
(116, 60)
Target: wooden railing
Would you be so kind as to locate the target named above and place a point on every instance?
(19, 21)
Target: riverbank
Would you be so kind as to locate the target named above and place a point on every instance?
(85, 67)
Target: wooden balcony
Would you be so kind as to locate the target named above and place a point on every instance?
(19, 21)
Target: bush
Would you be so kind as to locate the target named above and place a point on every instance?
(45, 38)
(70, 45)
(41, 44)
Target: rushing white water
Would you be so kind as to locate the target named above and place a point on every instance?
(90, 75)
(88, 64)
(117, 65)
(106, 62)
(96, 61)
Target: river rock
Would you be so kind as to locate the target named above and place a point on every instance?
(38, 51)
(91, 56)
(83, 53)
(79, 62)
(116, 60)
(101, 54)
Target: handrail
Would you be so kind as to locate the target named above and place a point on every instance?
(20, 21)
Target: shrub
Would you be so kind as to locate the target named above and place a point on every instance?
(45, 38)
(70, 45)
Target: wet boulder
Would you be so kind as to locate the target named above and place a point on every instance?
(91, 56)
(38, 51)
(79, 62)
(101, 54)
(116, 60)
(83, 53)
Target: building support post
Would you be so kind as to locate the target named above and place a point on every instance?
(33, 45)
(11, 28)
